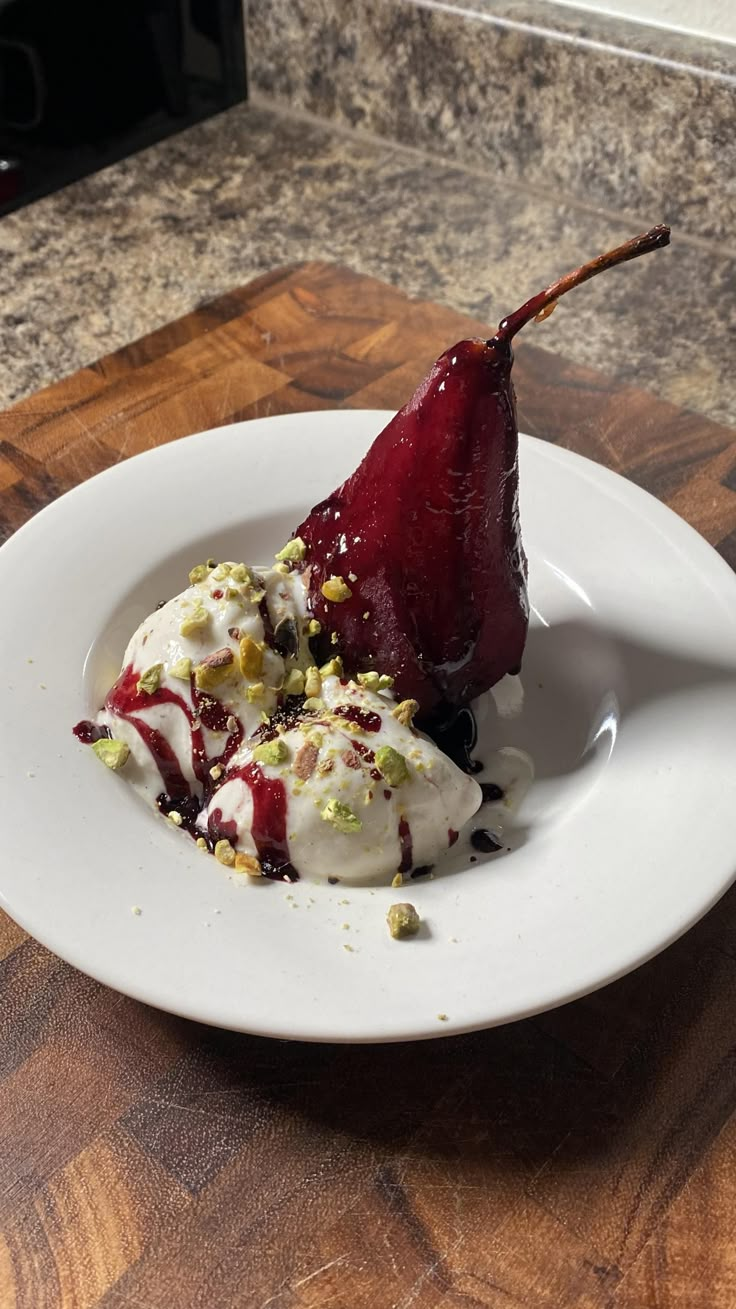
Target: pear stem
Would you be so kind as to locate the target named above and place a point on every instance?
(534, 308)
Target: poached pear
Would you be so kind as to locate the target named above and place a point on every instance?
(415, 564)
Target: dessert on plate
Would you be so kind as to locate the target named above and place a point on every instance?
(287, 717)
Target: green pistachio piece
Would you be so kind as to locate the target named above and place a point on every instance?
(150, 681)
(194, 622)
(295, 549)
(341, 817)
(224, 853)
(181, 670)
(312, 682)
(255, 692)
(114, 754)
(271, 752)
(294, 682)
(336, 589)
(315, 627)
(405, 712)
(392, 765)
(314, 702)
(239, 573)
(333, 668)
(199, 573)
(403, 920)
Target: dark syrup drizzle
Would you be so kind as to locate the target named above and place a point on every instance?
(485, 841)
(269, 795)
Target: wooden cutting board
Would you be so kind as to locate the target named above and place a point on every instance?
(585, 1159)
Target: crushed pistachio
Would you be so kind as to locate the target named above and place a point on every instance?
(216, 772)
(114, 754)
(403, 920)
(214, 669)
(315, 627)
(271, 752)
(312, 681)
(181, 670)
(221, 572)
(336, 589)
(341, 817)
(224, 853)
(198, 573)
(294, 682)
(398, 880)
(239, 573)
(314, 702)
(150, 681)
(333, 668)
(284, 569)
(366, 615)
(405, 711)
(392, 765)
(251, 657)
(201, 843)
(232, 723)
(175, 817)
(194, 622)
(295, 549)
(315, 738)
(255, 692)
(334, 638)
(247, 863)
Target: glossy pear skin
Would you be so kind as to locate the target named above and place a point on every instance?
(428, 524)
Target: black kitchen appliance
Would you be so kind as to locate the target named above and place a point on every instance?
(86, 82)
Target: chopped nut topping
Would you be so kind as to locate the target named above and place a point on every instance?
(341, 817)
(221, 572)
(239, 573)
(392, 765)
(334, 638)
(201, 843)
(403, 920)
(282, 568)
(216, 771)
(194, 622)
(214, 669)
(251, 657)
(333, 668)
(314, 702)
(271, 752)
(181, 670)
(224, 853)
(312, 682)
(305, 760)
(255, 692)
(114, 754)
(150, 681)
(315, 627)
(232, 723)
(405, 712)
(295, 549)
(398, 880)
(336, 589)
(199, 573)
(294, 682)
(352, 577)
(247, 863)
(326, 766)
(175, 817)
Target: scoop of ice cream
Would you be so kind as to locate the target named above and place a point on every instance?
(357, 793)
(201, 673)
(226, 724)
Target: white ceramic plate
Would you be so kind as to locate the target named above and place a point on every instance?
(626, 838)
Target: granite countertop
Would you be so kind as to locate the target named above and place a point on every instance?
(114, 256)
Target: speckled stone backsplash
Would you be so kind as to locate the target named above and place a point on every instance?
(610, 113)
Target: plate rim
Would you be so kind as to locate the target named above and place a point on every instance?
(597, 473)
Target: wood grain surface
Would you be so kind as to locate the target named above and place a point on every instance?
(585, 1159)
